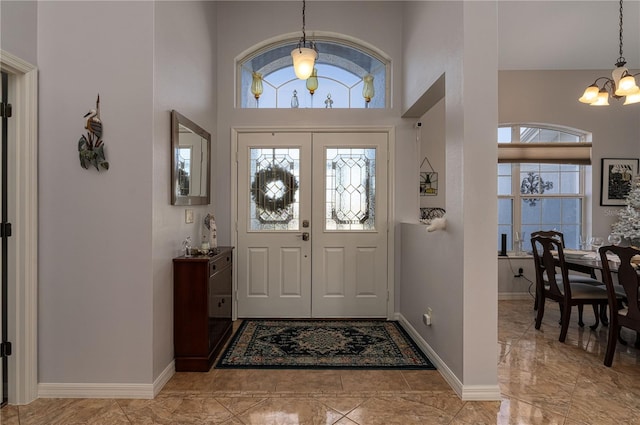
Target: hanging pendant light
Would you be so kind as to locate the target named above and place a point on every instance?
(367, 89)
(621, 83)
(304, 57)
(256, 86)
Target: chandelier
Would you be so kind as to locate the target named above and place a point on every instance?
(304, 57)
(622, 84)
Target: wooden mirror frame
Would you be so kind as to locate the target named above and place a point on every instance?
(178, 120)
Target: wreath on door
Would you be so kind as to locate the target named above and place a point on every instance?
(266, 197)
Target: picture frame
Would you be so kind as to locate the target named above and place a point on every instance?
(617, 174)
(428, 184)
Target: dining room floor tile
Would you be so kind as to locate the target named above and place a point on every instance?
(542, 381)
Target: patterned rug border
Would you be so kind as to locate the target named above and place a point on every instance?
(221, 363)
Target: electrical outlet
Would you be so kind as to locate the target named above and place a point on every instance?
(520, 273)
(188, 216)
(426, 318)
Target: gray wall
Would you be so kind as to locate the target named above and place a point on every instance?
(18, 20)
(451, 271)
(107, 238)
(185, 80)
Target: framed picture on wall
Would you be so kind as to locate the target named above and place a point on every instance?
(428, 184)
(617, 174)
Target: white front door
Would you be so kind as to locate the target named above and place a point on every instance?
(312, 225)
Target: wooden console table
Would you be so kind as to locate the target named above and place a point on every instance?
(202, 303)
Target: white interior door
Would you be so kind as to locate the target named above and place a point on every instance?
(274, 198)
(312, 225)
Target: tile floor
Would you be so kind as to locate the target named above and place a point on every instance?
(542, 381)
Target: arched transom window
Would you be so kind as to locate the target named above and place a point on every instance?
(348, 76)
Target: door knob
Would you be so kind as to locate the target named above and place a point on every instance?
(304, 236)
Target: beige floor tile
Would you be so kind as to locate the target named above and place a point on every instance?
(506, 412)
(397, 411)
(238, 405)
(342, 404)
(9, 415)
(373, 380)
(72, 411)
(189, 382)
(244, 380)
(425, 380)
(307, 381)
(290, 411)
(187, 410)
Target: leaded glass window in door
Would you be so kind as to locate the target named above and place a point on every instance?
(274, 178)
(350, 189)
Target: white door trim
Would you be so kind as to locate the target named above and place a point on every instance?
(390, 190)
(23, 322)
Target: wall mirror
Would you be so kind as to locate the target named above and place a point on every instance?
(191, 162)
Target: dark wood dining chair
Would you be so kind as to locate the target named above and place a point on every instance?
(621, 315)
(590, 280)
(560, 289)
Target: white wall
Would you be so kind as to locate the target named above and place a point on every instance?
(18, 22)
(185, 80)
(95, 274)
(453, 272)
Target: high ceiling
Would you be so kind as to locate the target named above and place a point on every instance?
(546, 35)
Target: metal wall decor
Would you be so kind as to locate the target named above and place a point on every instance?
(91, 146)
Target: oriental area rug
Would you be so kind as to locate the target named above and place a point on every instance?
(322, 344)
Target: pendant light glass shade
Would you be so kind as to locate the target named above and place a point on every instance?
(590, 95)
(627, 86)
(603, 99)
(256, 84)
(312, 81)
(632, 98)
(303, 61)
(367, 89)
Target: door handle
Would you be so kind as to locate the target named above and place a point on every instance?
(304, 236)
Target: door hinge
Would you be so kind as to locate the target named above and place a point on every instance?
(5, 230)
(5, 349)
(5, 110)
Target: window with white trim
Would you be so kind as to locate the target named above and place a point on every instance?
(541, 196)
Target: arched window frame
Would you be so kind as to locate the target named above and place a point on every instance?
(286, 43)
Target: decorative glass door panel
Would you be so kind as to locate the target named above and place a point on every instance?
(275, 186)
(350, 189)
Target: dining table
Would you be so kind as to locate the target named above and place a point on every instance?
(589, 262)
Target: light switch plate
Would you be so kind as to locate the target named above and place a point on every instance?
(188, 216)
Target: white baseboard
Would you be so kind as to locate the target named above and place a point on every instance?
(465, 392)
(102, 390)
(164, 377)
